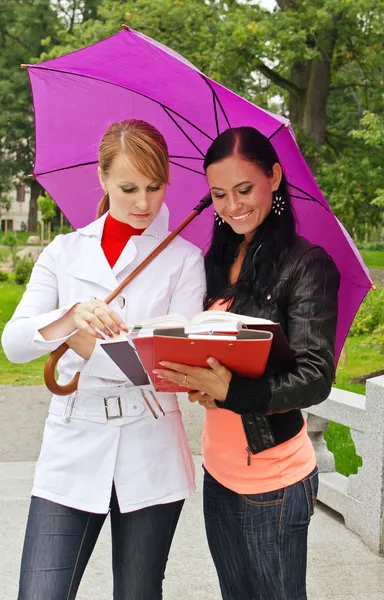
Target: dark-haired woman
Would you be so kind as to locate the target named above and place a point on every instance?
(261, 478)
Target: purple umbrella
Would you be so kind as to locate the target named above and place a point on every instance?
(129, 75)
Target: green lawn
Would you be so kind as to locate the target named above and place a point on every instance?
(373, 258)
(25, 374)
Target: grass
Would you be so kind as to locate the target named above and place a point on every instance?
(5, 254)
(374, 259)
(21, 236)
(361, 360)
(12, 374)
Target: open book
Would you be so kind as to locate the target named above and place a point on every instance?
(243, 344)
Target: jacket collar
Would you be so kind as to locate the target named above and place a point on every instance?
(94, 266)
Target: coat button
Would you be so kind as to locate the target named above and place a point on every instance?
(269, 297)
(121, 301)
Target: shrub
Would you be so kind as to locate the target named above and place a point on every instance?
(23, 271)
(376, 340)
(370, 315)
(3, 276)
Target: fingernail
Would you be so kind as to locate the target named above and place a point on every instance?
(162, 364)
(110, 334)
(210, 361)
(100, 337)
(117, 331)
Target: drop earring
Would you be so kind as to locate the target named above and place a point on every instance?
(277, 204)
(218, 219)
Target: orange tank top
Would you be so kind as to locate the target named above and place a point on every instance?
(226, 458)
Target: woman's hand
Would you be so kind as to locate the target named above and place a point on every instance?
(213, 381)
(204, 400)
(82, 343)
(96, 314)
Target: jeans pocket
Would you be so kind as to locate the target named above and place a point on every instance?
(274, 498)
(311, 486)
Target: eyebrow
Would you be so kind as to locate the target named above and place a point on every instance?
(235, 186)
(125, 184)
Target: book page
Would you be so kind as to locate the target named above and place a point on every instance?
(220, 316)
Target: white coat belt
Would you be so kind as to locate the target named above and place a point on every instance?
(120, 404)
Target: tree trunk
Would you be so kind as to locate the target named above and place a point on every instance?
(32, 215)
(316, 96)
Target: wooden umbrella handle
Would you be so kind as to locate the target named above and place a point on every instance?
(54, 357)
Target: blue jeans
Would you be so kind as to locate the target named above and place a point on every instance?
(258, 542)
(59, 542)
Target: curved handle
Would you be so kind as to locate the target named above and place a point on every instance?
(49, 374)
(54, 357)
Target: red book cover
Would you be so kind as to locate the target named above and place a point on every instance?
(247, 357)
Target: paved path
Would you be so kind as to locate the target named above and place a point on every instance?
(340, 566)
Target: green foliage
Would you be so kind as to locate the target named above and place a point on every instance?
(3, 276)
(340, 443)
(370, 315)
(23, 271)
(376, 339)
(372, 246)
(10, 239)
(23, 27)
(47, 207)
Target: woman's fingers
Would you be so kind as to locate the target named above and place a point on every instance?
(96, 314)
(104, 321)
(86, 328)
(110, 318)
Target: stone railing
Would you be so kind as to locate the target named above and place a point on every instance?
(358, 498)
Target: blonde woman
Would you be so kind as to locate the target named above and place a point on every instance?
(103, 450)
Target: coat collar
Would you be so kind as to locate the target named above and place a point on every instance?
(94, 266)
(157, 229)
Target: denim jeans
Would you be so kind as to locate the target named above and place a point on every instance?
(59, 542)
(258, 542)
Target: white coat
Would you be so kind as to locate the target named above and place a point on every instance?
(83, 451)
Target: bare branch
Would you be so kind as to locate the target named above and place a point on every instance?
(279, 79)
(284, 4)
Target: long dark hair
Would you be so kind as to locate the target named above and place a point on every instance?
(272, 240)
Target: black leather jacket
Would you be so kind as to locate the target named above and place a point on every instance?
(305, 303)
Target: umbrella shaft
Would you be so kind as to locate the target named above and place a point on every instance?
(150, 258)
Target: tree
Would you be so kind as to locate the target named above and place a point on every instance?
(319, 62)
(26, 29)
(23, 27)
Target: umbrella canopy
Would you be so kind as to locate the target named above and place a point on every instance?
(129, 75)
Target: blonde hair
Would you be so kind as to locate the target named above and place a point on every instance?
(145, 146)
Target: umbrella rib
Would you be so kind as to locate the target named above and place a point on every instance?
(308, 196)
(276, 132)
(187, 121)
(187, 157)
(124, 87)
(92, 162)
(216, 116)
(215, 96)
(187, 168)
(182, 131)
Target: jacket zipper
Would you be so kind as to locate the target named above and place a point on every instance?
(249, 456)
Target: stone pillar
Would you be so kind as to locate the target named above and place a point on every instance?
(316, 428)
